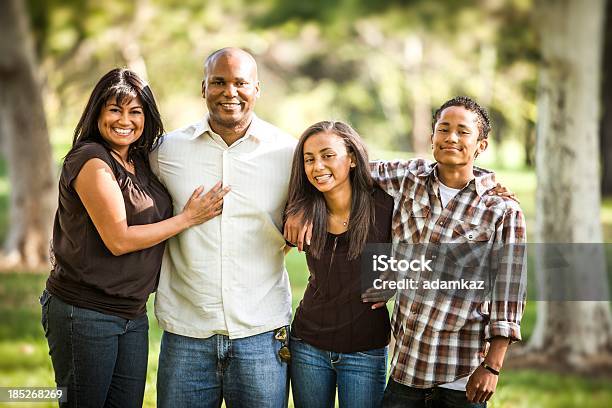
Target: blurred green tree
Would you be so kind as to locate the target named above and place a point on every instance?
(383, 66)
(25, 142)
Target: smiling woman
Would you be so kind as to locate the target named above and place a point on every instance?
(112, 220)
(120, 125)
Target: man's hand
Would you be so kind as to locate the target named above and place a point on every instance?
(481, 385)
(297, 231)
(378, 297)
(504, 192)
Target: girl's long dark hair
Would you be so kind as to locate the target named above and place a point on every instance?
(306, 199)
(124, 85)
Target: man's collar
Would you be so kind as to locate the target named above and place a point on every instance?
(484, 180)
(200, 128)
(255, 129)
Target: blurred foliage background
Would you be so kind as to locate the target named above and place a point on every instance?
(382, 65)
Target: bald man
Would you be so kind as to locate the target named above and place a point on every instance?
(224, 300)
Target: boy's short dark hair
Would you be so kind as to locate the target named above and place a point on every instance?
(483, 121)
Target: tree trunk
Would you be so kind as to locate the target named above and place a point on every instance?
(25, 144)
(529, 144)
(421, 102)
(129, 42)
(606, 117)
(421, 120)
(568, 199)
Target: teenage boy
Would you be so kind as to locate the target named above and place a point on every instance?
(450, 349)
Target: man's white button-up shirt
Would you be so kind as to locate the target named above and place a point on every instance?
(226, 276)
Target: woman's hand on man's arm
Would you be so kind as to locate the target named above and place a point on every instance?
(100, 194)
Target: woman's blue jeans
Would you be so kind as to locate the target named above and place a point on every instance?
(315, 373)
(101, 359)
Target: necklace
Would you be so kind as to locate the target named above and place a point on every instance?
(126, 164)
(343, 220)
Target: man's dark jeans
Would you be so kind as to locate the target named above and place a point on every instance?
(398, 395)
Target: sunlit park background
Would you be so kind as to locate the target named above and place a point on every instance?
(384, 65)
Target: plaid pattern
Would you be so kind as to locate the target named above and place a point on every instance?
(441, 337)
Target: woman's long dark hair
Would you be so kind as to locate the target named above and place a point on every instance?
(124, 85)
(306, 199)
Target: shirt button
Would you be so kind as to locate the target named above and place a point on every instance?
(470, 236)
(441, 223)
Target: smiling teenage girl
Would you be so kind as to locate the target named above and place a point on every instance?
(338, 341)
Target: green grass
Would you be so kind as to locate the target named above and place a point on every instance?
(535, 389)
(24, 359)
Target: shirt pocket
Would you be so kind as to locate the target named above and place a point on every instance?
(470, 245)
(466, 272)
(467, 232)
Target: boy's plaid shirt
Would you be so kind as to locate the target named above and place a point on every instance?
(441, 337)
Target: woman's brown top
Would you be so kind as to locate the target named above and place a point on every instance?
(86, 274)
(332, 316)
